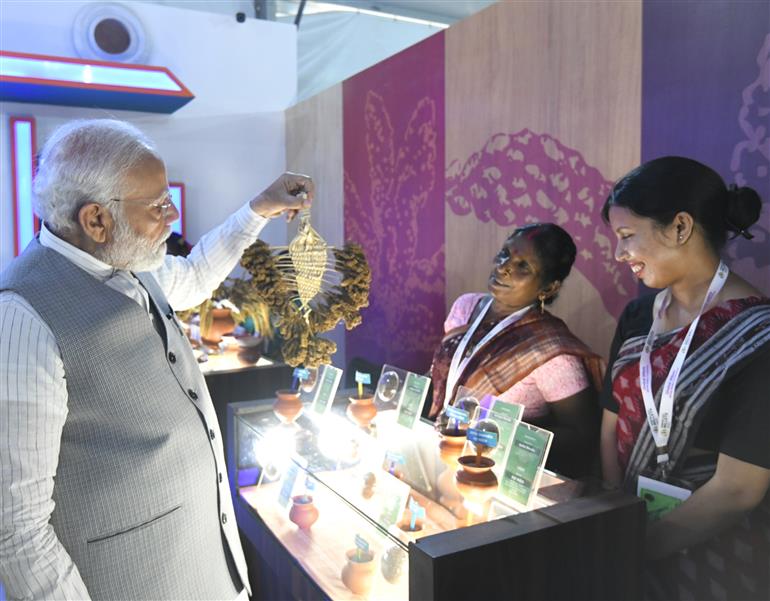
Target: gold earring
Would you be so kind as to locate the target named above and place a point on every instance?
(541, 298)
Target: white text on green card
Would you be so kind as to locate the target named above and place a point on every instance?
(289, 480)
(330, 377)
(506, 416)
(524, 462)
(412, 399)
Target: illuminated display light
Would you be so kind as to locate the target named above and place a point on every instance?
(25, 225)
(176, 191)
(75, 82)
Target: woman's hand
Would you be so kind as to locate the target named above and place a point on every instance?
(735, 489)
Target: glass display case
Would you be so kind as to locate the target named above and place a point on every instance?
(344, 505)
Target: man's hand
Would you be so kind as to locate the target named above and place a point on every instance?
(289, 193)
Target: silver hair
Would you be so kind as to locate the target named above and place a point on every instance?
(85, 161)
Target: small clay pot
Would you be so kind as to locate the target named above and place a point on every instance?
(303, 512)
(362, 410)
(405, 527)
(392, 564)
(449, 452)
(453, 436)
(370, 482)
(358, 574)
(222, 323)
(475, 479)
(287, 406)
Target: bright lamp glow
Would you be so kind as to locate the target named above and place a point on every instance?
(92, 74)
(22, 161)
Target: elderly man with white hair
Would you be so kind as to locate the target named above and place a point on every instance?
(112, 478)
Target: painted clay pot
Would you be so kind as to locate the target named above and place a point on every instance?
(362, 410)
(222, 323)
(287, 405)
(358, 574)
(303, 512)
(392, 564)
(475, 479)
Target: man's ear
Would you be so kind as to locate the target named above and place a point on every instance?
(95, 221)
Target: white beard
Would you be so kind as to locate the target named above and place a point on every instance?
(131, 252)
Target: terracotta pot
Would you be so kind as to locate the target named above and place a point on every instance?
(249, 349)
(453, 436)
(287, 406)
(303, 512)
(362, 410)
(370, 482)
(358, 575)
(475, 479)
(222, 323)
(449, 452)
(405, 526)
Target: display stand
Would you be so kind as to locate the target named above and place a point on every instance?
(578, 541)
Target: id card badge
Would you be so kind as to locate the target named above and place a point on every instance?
(661, 497)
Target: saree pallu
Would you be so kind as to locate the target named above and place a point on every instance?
(511, 356)
(736, 563)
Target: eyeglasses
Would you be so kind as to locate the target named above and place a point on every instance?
(160, 208)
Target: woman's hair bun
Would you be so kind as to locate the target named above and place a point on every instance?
(743, 208)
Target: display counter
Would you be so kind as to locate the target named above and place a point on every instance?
(330, 509)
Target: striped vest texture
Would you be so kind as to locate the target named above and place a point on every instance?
(138, 493)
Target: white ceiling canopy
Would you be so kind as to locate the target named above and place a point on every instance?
(432, 10)
(339, 38)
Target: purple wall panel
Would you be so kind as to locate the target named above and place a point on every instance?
(393, 153)
(706, 95)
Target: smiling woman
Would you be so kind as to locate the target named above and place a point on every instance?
(506, 344)
(685, 400)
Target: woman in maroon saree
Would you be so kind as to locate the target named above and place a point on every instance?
(671, 217)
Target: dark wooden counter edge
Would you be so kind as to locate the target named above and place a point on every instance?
(586, 548)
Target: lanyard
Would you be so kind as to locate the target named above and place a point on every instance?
(460, 361)
(660, 423)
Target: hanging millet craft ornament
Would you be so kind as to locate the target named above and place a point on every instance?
(310, 286)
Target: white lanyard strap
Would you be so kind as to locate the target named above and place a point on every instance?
(460, 361)
(660, 423)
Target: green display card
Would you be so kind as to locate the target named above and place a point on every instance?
(328, 382)
(289, 480)
(394, 494)
(506, 416)
(412, 398)
(524, 463)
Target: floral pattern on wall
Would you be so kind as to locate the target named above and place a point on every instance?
(526, 177)
(393, 168)
(750, 164)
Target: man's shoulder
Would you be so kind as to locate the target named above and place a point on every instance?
(22, 268)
